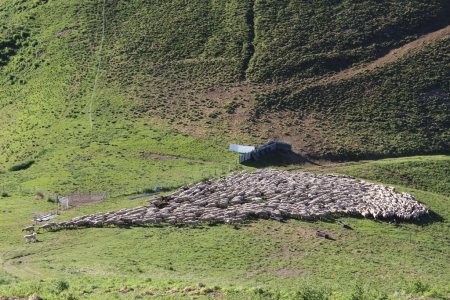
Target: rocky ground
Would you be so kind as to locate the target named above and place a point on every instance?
(264, 194)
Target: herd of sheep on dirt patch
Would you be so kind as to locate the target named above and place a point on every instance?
(265, 194)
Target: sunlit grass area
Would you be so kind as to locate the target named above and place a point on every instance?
(375, 259)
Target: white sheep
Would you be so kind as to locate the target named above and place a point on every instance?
(30, 237)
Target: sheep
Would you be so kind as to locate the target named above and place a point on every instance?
(30, 238)
(48, 226)
(322, 234)
(265, 194)
(29, 228)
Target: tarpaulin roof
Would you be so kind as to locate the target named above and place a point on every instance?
(241, 149)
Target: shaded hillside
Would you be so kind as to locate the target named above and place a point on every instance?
(88, 73)
(302, 39)
(399, 109)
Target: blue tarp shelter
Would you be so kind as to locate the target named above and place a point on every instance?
(264, 149)
(241, 149)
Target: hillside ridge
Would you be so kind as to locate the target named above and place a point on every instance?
(391, 57)
(211, 68)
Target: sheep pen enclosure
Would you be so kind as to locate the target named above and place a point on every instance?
(265, 194)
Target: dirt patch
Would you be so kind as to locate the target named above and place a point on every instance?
(64, 33)
(79, 199)
(290, 272)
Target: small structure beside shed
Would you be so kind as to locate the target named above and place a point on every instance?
(241, 149)
(270, 147)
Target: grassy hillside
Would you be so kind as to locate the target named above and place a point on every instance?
(399, 109)
(122, 96)
(73, 71)
(310, 38)
(424, 173)
(58, 110)
(259, 260)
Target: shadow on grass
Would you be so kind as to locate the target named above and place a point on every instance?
(279, 158)
(423, 221)
(427, 220)
(431, 218)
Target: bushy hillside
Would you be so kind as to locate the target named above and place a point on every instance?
(98, 83)
(399, 109)
(304, 39)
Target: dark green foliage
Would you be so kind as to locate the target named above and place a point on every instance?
(60, 286)
(197, 41)
(401, 109)
(10, 42)
(231, 107)
(418, 287)
(309, 293)
(309, 38)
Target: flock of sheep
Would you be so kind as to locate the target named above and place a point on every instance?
(265, 194)
(31, 238)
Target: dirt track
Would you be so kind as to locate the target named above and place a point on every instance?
(391, 57)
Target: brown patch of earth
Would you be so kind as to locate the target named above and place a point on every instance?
(290, 272)
(65, 32)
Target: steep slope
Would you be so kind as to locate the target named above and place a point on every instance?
(59, 109)
(391, 57)
(399, 108)
(87, 87)
(303, 39)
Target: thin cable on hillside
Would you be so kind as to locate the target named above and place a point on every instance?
(99, 61)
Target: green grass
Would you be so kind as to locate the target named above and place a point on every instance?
(116, 164)
(259, 260)
(398, 110)
(74, 72)
(112, 99)
(304, 39)
(428, 173)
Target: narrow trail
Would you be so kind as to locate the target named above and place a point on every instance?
(393, 56)
(22, 270)
(99, 61)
